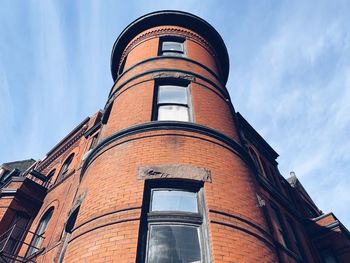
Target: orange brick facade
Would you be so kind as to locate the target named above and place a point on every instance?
(90, 195)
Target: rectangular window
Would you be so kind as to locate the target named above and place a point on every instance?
(174, 200)
(171, 46)
(173, 103)
(174, 223)
(280, 227)
(174, 243)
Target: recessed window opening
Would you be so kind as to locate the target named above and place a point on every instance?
(65, 167)
(172, 46)
(174, 216)
(51, 174)
(173, 103)
(39, 235)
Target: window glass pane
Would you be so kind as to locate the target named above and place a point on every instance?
(52, 173)
(174, 54)
(18, 226)
(172, 46)
(175, 244)
(39, 234)
(67, 164)
(173, 113)
(172, 94)
(173, 200)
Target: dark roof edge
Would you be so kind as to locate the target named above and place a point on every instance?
(335, 223)
(21, 165)
(61, 142)
(294, 181)
(170, 17)
(246, 125)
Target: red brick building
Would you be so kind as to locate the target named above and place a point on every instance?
(167, 172)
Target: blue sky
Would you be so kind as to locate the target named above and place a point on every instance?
(289, 76)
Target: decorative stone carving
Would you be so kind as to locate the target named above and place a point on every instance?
(174, 171)
(261, 201)
(165, 32)
(176, 75)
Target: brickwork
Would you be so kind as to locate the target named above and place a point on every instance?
(118, 188)
(247, 212)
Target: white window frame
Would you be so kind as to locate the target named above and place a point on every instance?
(174, 218)
(187, 105)
(172, 52)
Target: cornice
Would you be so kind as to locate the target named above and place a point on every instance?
(166, 31)
(171, 18)
(47, 161)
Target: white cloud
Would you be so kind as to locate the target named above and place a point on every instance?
(289, 76)
(295, 91)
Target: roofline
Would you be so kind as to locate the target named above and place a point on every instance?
(20, 161)
(76, 129)
(266, 147)
(335, 223)
(176, 18)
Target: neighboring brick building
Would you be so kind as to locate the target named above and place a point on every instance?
(167, 172)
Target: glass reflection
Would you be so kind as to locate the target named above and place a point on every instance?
(174, 244)
(174, 200)
(172, 94)
(172, 46)
(173, 113)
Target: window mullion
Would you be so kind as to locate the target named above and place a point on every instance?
(172, 104)
(169, 217)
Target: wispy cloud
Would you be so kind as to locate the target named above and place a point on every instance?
(6, 105)
(290, 77)
(295, 90)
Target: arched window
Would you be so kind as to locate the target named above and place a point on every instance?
(18, 229)
(65, 166)
(49, 177)
(39, 234)
(51, 174)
